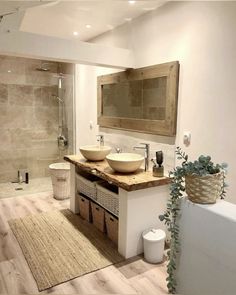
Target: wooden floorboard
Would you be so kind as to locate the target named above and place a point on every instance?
(133, 276)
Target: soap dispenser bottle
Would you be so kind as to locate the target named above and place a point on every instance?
(158, 168)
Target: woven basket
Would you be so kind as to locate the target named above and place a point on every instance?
(112, 225)
(86, 186)
(108, 199)
(204, 189)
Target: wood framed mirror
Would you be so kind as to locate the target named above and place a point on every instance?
(142, 100)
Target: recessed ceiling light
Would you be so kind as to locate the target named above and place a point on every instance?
(75, 33)
(128, 19)
(88, 26)
(9, 71)
(131, 2)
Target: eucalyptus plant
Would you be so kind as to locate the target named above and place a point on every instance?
(203, 166)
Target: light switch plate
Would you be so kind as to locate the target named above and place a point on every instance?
(187, 138)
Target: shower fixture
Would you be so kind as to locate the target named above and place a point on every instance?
(59, 82)
(60, 76)
(44, 67)
(47, 67)
(62, 140)
(58, 98)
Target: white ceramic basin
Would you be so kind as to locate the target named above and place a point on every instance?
(125, 162)
(95, 152)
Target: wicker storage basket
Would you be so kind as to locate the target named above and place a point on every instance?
(107, 198)
(84, 208)
(60, 175)
(112, 227)
(87, 186)
(204, 189)
(98, 215)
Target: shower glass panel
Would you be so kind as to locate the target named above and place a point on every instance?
(29, 115)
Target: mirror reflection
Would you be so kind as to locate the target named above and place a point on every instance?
(138, 99)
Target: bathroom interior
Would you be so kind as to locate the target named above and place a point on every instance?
(94, 102)
(36, 122)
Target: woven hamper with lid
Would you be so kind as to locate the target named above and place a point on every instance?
(204, 189)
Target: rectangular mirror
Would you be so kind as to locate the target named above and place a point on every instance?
(142, 100)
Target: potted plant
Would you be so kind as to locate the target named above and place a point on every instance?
(203, 182)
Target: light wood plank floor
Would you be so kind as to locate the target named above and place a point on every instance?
(134, 276)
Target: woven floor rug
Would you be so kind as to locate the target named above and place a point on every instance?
(60, 246)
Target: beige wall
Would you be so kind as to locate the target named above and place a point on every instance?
(29, 117)
(201, 35)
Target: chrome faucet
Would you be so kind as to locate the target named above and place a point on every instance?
(146, 148)
(118, 150)
(100, 139)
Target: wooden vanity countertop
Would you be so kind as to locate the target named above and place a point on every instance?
(129, 182)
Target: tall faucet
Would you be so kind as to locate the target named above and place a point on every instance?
(146, 148)
(100, 139)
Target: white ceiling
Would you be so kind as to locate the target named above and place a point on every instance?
(14, 6)
(62, 18)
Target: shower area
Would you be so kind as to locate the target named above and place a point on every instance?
(36, 122)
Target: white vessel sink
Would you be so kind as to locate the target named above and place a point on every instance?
(95, 152)
(125, 162)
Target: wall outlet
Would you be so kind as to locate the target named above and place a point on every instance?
(187, 138)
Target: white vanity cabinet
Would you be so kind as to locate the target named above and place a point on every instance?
(142, 198)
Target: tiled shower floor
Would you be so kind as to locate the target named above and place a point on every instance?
(8, 190)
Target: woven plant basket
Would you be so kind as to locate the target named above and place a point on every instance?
(204, 189)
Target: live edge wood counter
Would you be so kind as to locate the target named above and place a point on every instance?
(129, 182)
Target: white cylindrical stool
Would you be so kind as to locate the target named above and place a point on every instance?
(154, 243)
(60, 175)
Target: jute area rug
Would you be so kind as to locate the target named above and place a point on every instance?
(60, 246)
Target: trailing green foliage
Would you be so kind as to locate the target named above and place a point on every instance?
(201, 167)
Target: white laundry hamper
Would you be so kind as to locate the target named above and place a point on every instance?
(60, 175)
(154, 243)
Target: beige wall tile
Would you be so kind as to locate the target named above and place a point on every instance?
(29, 116)
(8, 176)
(46, 117)
(16, 116)
(46, 96)
(21, 138)
(5, 139)
(20, 95)
(3, 93)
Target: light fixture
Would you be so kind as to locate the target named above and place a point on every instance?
(75, 33)
(88, 26)
(9, 71)
(149, 8)
(131, 2)
(128, 19)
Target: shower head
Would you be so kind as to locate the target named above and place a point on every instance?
(43, 68)
(59, 76)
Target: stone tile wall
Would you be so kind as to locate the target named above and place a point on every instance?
(29, 117)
